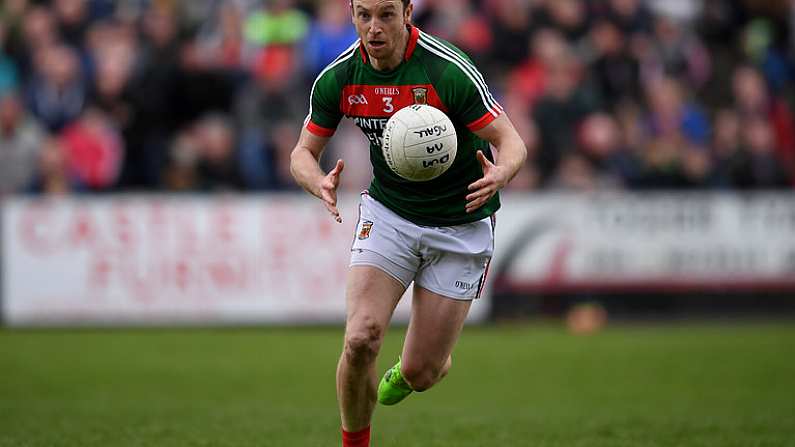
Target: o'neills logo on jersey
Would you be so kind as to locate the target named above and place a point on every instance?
(420, 95)
(382, 101)
(387, 91)
(357, 99)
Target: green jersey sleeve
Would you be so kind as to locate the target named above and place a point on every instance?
(324, 104)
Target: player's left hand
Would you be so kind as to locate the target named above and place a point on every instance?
(494, 178)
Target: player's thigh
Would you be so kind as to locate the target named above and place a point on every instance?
(382, 265)
(436, 323)
(455, 261)
(371, 298)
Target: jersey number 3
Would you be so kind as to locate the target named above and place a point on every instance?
(388, 107)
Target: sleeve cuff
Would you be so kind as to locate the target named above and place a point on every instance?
(483, 121)
(319, 130)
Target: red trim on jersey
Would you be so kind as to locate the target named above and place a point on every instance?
(363, 52)
(414, 35)
(384, 100)
(319, 130)
(481, 122)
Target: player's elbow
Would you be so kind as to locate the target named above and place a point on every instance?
(514, 151)
(519, 151)
(522, 151)
(517, 143)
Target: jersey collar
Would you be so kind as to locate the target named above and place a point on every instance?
(414, 34)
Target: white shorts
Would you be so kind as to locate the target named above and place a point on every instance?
(450, 261)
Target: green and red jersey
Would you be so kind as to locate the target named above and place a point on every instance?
(433, 72)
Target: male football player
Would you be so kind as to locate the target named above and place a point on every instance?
(437, 234)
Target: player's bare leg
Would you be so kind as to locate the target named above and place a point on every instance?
(371, 297)
(436, 323)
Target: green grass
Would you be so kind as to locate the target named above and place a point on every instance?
(534, 385)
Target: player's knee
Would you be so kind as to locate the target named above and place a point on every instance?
(363, 343)
(422, 376)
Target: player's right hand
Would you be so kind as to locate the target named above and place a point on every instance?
(328, 190)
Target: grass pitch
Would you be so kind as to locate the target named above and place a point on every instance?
(660, 385)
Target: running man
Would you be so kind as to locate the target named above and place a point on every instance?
(438, 234)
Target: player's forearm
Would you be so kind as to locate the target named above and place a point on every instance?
(511, 156)
(511, 151)
(306, 171)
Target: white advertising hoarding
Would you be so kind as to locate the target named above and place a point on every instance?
(178, 259)
(282, 259)
(659, 242)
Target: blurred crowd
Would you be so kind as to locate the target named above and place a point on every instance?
(210, 95)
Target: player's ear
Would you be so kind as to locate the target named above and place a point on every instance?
(407, 13)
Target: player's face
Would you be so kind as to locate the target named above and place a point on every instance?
(381, 25)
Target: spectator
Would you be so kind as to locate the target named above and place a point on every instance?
(599, 142)
(457, 22)
(73, 20)
(632, 17)
(756, 165)
(527, 80)
(278, 22)
(8, 68)
(725, 146)
(575, 173)
(57, 91)
(677, 52)
(113, 54)
(54, 176)
(220, 39)
(662, 165)
(20, 143)
(568, 98)
(181, 171)
(11, 10)
(510, 26)
(274, 96)
(569, 17)
(329, 35)
(36, 31)
(94, 150)
(283, 137)
(752, 99)
(717, 27)
(152, 92)
(217, 163)
(672, 116)
(616, 70)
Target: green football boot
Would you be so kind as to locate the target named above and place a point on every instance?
(393, 388)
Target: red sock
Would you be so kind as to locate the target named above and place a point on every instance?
(359, 438)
